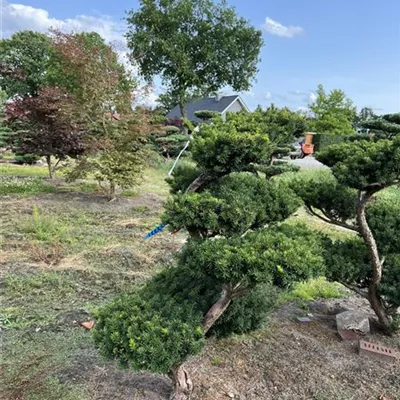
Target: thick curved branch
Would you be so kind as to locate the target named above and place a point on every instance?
(356, 290)
(218, 308)
(333, 222)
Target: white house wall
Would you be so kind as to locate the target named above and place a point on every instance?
(235, 107)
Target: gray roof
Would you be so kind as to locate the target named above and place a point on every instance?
(209, 104)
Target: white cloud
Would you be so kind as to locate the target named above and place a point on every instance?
(276, 28)
(312, 97)
(16, 17)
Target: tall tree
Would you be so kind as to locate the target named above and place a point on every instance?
(24, 62)
(333, 113)
(193, 44)
(88, 68)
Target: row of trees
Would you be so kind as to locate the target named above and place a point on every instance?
(63, 92)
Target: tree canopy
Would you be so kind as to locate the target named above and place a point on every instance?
(333, 113)
(193, 45)
(24, 62)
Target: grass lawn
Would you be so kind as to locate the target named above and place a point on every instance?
(66, 250)
(23, 170)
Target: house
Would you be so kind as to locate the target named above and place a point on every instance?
(221, 104)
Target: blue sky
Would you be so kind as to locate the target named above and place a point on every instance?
(352, 45)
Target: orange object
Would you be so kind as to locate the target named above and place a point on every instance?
(307, 149)
(88, 325)
(309, 137)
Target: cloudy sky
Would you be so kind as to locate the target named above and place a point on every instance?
(352, 45)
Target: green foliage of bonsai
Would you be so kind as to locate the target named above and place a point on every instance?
(382, 127)
(361, 170)
(230, 146)
(182, 176)
(238, 256)
(144, 334)
(231, 206)
(205, 114)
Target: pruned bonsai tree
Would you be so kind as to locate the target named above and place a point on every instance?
(368, 264)
(384, 126)
(227, 275)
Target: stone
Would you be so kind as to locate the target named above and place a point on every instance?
(352, 324)
(304, 320)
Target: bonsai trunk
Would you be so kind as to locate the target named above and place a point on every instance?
(218, 308)
(373, 294)
(50, 167)
(196, 184)
(183, 386)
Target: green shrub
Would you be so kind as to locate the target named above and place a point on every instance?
(26, 158)
(384, 219)
(322, 140)
(231, 145)
(323, 193)
(182, 176)
(205, 114)
(317, 288)
(146, 335)
(277, 255)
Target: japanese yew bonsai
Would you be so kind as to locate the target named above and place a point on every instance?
(226, 277)
(369, 264)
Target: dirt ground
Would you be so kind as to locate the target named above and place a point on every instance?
(47, 355)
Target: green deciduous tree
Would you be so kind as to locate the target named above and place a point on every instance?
(24, 62)
(120, 156)
(237, 257)
(193, 45)
(85, 66)
(333, 113)
(361, 170)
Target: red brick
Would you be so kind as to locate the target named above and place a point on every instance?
(347, 334)
(378, 351)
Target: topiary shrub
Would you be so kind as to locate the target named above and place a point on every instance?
(227, 275)
(145, 335)
(248, 312)
(361, 170)
(206, 114)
